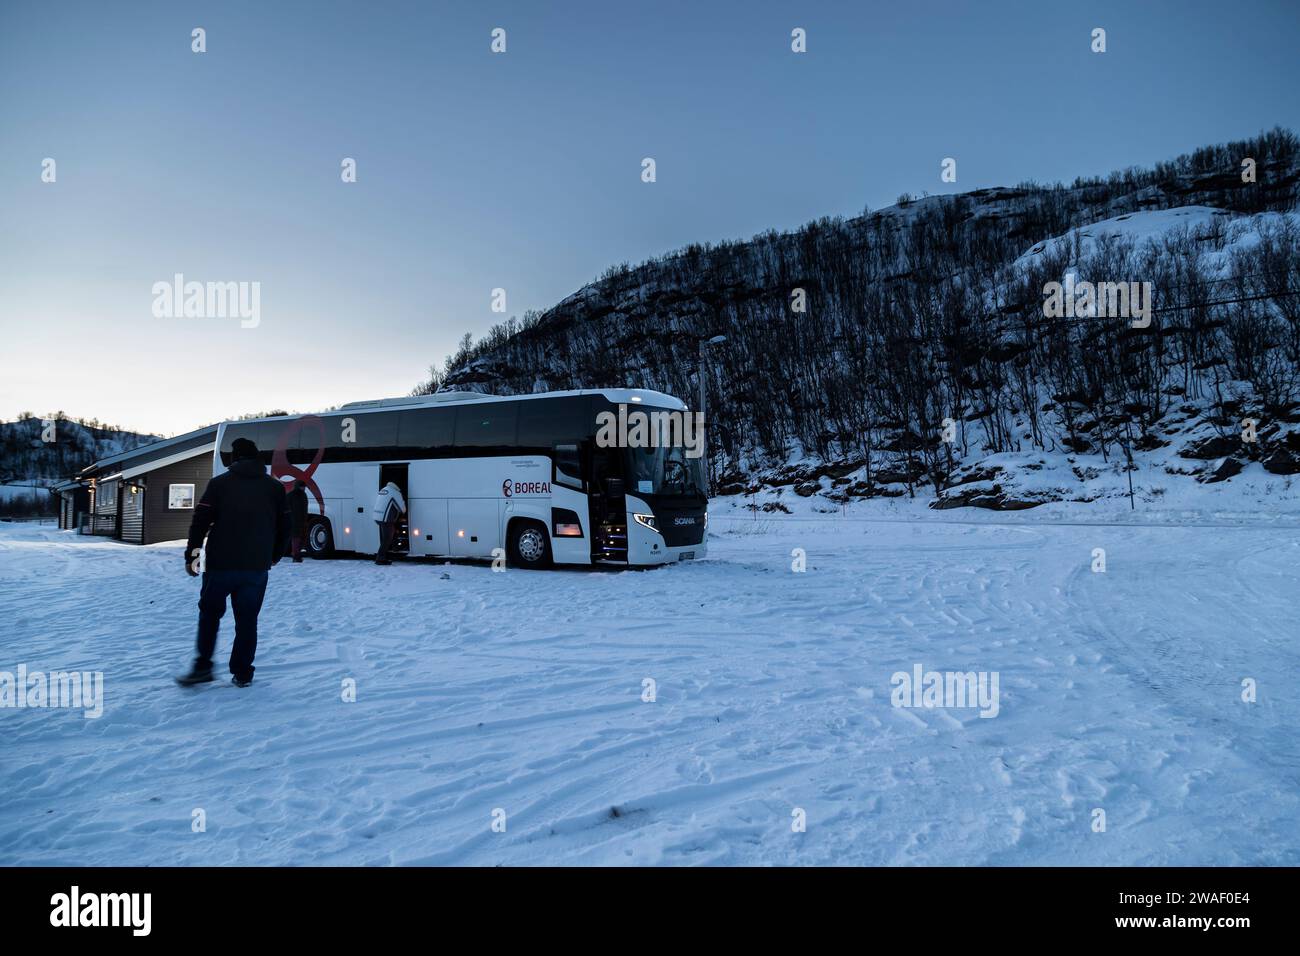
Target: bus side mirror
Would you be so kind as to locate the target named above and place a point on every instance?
(614, 487)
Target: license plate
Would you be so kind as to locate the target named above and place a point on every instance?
(687, 556)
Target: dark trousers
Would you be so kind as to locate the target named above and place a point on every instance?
(386, 532)
(296, 544)
(245, 590)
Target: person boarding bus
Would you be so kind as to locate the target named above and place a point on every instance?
(388, 510)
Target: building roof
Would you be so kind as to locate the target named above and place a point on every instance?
(154, 452)
(139, 467)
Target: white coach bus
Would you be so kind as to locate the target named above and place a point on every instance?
(480, 472)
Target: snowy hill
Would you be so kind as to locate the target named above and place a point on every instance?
(26, 455)
(29, 463)
(924, 360)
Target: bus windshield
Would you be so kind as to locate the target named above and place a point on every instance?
(664, 471)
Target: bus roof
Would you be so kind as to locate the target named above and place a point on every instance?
(617, 396)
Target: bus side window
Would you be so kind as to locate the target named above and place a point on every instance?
(568, 466)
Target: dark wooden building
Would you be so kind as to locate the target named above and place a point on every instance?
(74, 502)
(148, 494)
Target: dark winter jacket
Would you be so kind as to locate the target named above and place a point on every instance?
(298, 511)
(245, 516)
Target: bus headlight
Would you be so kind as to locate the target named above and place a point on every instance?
(646, 521)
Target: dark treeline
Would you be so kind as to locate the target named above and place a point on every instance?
(916, 314)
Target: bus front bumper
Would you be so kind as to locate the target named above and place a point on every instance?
(646, 546)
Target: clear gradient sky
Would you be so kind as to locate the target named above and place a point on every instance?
(519, 170)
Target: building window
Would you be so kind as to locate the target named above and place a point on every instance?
(180, 497)
(106, 497)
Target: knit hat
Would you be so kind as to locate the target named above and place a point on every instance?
(242, 448)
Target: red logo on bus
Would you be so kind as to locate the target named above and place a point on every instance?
(505, 487)
(282, 469)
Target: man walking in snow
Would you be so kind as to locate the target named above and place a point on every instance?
(298, 518)
(245, 517)
(389, 507)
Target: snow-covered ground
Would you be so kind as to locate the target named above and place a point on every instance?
(522, 692)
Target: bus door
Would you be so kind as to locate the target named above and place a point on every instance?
(364, 538)
(397, 475)
(608, 508)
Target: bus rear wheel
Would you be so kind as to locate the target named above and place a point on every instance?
(528, 545)
(320, 540)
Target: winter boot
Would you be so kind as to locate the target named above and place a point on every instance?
(197, 675)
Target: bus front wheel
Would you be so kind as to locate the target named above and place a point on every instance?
(320, 540)
(529, 546)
